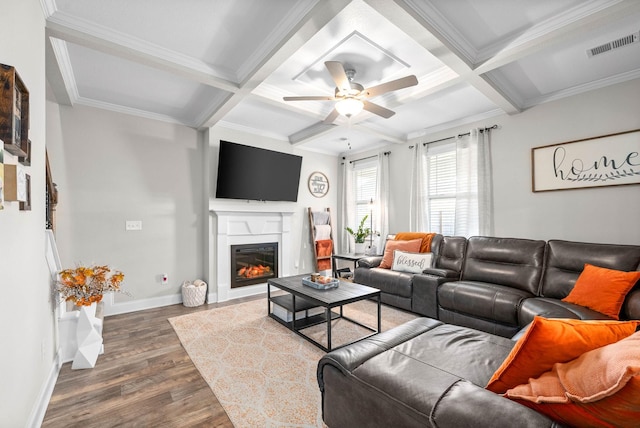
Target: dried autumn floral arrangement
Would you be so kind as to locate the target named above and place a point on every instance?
(86, 285)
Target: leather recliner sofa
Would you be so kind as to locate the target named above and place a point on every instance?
(423, 373)
(432, 373)
(498, 285)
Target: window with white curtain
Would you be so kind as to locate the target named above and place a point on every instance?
(440, 164)
(452, 192)
(365, 175)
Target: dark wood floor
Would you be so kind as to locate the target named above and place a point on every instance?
(144, 379)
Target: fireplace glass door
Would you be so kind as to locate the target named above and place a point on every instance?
(253, 263)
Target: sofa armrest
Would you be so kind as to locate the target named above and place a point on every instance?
(350, 357)
(424, 299)
(484, 408)
(443, 273)
(370, 262)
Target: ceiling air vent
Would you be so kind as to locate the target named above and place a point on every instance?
(623, 41)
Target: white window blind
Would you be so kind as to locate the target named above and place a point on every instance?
(440, 164)
(365, 175)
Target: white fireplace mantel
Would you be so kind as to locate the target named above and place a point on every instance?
(238, 224)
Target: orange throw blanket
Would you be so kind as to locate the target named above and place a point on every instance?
(426, 239)
(324, 248)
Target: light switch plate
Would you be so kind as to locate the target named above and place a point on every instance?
(133, 225)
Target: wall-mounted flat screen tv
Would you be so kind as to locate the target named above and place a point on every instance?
(246, 172)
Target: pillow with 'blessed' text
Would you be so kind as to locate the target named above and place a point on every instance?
(404, 261)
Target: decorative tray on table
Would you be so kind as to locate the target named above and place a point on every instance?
(333, 283)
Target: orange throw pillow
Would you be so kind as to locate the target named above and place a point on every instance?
(425, 246)
(412, 246)
(602, 289)
(603, 385)
(550, 341)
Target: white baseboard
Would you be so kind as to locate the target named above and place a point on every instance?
(212, 297)
(40, 408)
(141, 305)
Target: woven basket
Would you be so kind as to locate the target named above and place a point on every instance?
(193, 294)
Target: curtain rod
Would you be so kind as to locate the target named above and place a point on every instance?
(489, 128)
(368, 157)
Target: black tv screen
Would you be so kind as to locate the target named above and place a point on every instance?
(246, 172)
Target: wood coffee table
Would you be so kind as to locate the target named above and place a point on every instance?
(302, 297)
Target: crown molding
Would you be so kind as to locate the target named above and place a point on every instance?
(498, 81)
(66, 70)
(547, 27)
(48, 7)
(443, 28)
(580, 89)
(132, 111)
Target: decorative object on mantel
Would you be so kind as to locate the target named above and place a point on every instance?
(85, 286)
(14, 111)
(318, 184)
(359, 235)
(607, 160)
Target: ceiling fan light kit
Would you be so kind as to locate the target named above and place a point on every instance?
(351, 96)
(349, 107)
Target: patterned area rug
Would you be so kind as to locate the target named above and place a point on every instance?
(263, 374)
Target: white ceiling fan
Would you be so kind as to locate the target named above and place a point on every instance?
(352, 97)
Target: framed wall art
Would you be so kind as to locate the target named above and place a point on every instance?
(607, 160)
(26, 204)
(14, 111)
(318, 184)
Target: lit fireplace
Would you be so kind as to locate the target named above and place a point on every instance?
(253, 263)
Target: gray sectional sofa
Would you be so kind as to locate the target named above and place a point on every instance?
(424, 373)
(432, 372)
(498, 285)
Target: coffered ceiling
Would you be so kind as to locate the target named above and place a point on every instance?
(230, 62)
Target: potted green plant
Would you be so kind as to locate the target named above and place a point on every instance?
(359, 235)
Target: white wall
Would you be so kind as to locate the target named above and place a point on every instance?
(301, 260)
(111, 168)
(607, 214)
(27, 323)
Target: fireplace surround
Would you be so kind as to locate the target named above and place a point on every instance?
(240, 224)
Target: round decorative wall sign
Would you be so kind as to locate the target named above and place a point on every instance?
(318, 184)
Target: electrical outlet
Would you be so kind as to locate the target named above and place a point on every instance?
(133, 225)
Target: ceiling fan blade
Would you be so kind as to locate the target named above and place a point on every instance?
(377, 109)
(394, 85)
(309, 98)
(339, 76)
(332, 116)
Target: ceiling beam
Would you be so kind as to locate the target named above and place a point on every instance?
(429, 36)
(319, 16)
(310, 133)
(197, 71)
(576, 23)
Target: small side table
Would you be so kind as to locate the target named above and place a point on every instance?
(347, 256)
